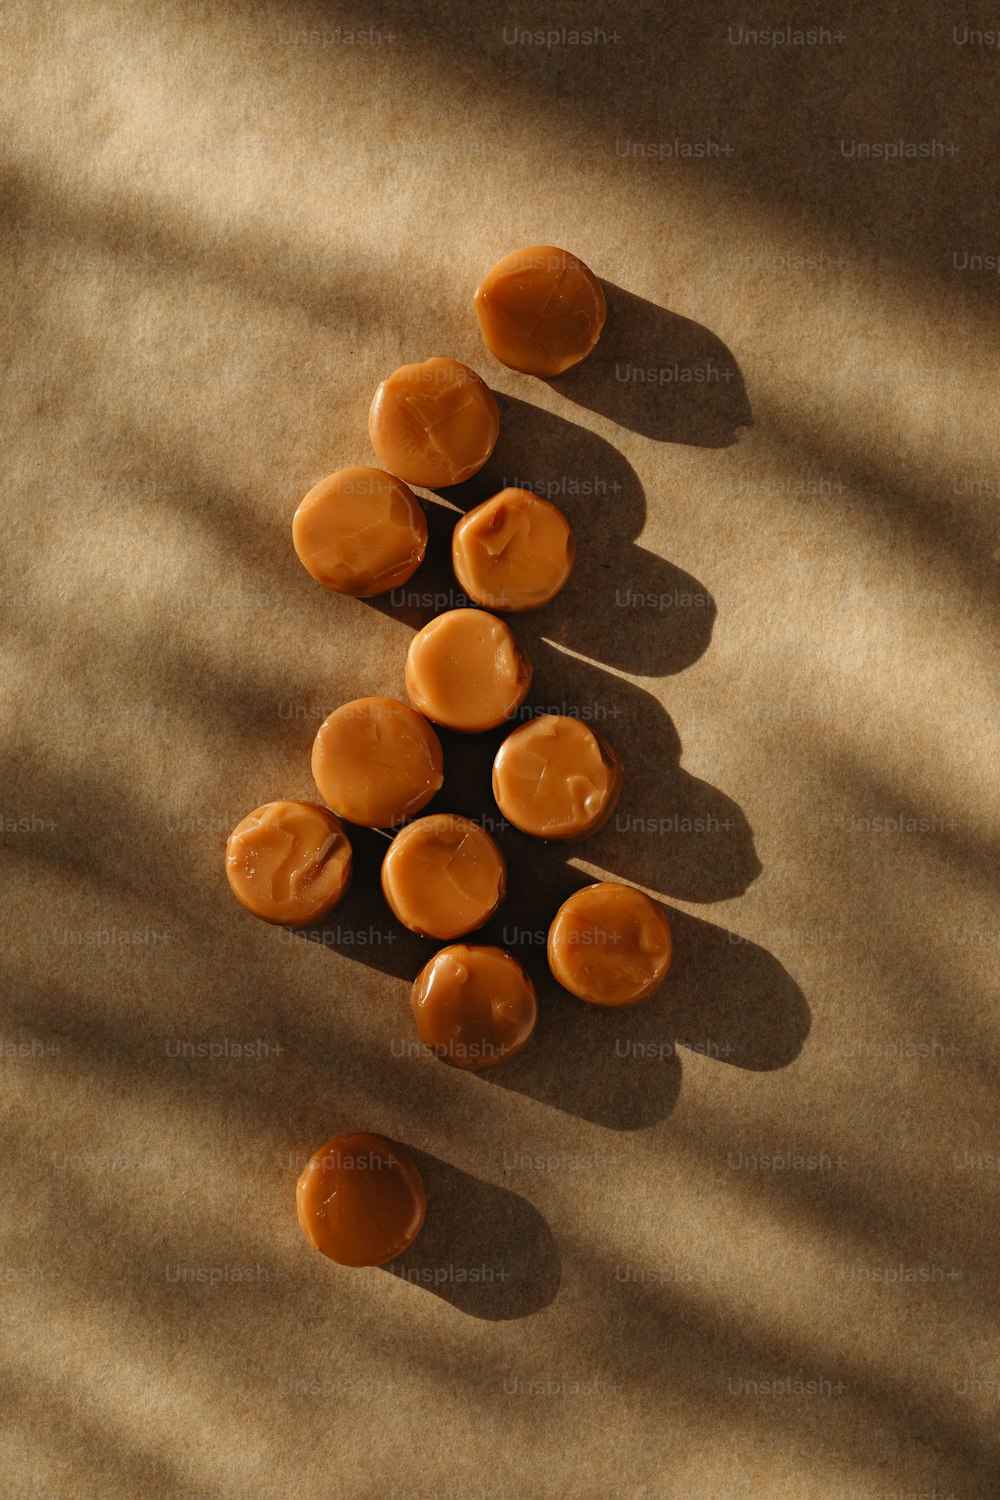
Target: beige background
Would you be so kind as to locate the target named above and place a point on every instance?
(760, 1262)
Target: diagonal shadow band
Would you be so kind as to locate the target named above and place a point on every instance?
(486, 1250)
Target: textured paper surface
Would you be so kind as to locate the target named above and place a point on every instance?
(742, 1241)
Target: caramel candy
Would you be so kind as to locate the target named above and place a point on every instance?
(361, 1200)
(610, 944)
(443, 876)
(288, 861)
(360, 532)
(377, 761)
(465, 670)
(513, 552)
(555, 778)
(434, 424)
(540, 310)
(474, 1006)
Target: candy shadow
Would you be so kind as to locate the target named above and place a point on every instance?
(724, 998)
(671, 832)
(660, 375)
(483, 1248)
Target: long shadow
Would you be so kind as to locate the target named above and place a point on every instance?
(671, 831)
(661, 375)
(623, 605)
(484, 1249)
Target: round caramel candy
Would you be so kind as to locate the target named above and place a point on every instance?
(435, 423)
(443, 876)
(474, 1006)
(360, 532)
(465, 670)
(513, 552)
(288, 861)
(361, 1200)
(555, 778)
(610, 944)
(540, 310)
(377, 761)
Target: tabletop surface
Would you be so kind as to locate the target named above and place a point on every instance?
(741, 1240)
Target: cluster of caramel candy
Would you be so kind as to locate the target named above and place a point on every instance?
(378, 762)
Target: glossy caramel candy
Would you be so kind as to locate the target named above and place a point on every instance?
(465, 670)
(288, 862)
(443, 876)
(377, 761)
(434, 424)
(361, 1200)
(554, 778)
(361, 532)
(513, 552)
(474, 1006)
(610, 945)
(540, 310)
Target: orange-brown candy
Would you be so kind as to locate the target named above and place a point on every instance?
(288, 861)
(360, 531)
(361, 1200)
(465, 670)
(377, 761)
(475, 1007)
(610, 944)
(434, 423)
(555, 778)
(540, 310)
(443, 876)
(513, 552)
